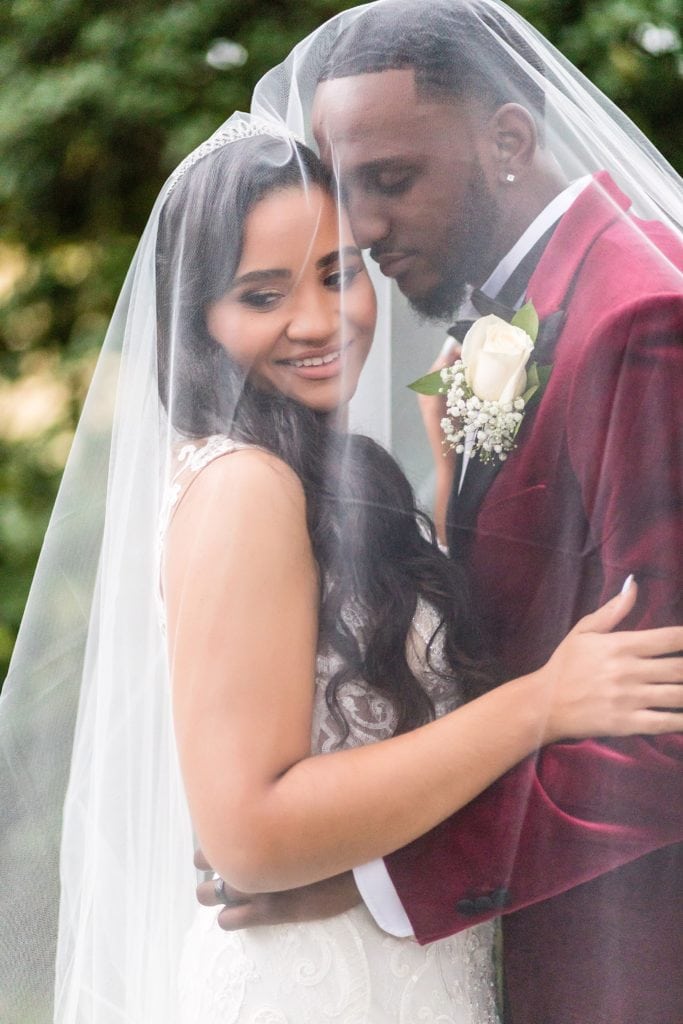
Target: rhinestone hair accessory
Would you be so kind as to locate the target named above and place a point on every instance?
(223, 137)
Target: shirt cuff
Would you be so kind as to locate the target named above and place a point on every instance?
(380, 897)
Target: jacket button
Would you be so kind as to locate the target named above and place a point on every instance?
(465, 907)
(500, 898)
(495, 900)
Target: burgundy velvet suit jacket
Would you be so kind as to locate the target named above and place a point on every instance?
(580, 847)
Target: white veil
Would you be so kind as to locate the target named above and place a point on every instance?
(87, 699)
(582, 128)
(87, 695)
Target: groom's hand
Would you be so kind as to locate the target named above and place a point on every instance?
(247, 910)
(433, 410)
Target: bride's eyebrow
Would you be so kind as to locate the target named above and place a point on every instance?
(258, 276)
(337, 255)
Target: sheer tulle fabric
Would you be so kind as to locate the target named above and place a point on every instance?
(96, 844)
(87, 699)
(585, 131)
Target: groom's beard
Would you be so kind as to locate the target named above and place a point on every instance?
(468, 257)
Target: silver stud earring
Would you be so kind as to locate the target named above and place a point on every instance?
(510, 178)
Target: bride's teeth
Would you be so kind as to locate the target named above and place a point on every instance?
(315, 360)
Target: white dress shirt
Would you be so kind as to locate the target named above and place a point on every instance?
(374, 884)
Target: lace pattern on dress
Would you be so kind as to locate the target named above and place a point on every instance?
(370, 715)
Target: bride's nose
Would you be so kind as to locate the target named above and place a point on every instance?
(315, 316)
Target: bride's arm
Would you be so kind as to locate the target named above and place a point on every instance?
(242, 594)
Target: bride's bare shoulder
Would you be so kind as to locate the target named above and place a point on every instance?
(237, 546)
(247, 473)
(245, 489)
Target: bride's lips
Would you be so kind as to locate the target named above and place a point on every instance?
(393, 264)
(317, 365)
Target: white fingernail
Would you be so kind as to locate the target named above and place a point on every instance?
(628, 582)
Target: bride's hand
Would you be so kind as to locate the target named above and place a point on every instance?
(599, 683)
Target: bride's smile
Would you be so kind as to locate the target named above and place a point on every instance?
(316, 365)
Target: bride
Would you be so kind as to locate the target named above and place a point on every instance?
(236, 599)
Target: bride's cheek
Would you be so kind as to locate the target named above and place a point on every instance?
(370, 306)
(362, 313)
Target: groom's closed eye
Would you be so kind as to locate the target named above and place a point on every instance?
(389, 179)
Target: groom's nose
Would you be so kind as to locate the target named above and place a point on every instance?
(369, 216)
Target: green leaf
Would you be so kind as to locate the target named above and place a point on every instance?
(537, 378)
(532, 382)
(527, 319)
(532, 378)
(430, 384)
(543, 374)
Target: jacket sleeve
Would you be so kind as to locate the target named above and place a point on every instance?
(627, 400)
(578, 810)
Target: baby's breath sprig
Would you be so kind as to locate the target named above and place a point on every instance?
(492, 426)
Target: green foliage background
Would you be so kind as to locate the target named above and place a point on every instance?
(99, 100)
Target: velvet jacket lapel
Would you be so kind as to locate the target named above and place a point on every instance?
(550, 289)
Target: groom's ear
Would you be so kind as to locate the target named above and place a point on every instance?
(510, 141)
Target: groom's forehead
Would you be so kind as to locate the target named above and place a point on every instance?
(380, 113)
(360, 104)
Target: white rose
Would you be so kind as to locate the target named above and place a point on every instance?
(495, 355)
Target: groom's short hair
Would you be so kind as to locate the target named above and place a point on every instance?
(460, 48)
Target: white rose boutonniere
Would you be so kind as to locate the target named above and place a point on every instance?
(489, 389)
(494, 358)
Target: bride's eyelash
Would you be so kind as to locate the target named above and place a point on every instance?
(344, 275)
(260, 300)
(266, 299)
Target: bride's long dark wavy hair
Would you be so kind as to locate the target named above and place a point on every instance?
(376, 551)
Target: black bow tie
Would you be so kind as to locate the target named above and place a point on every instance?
(484, 305)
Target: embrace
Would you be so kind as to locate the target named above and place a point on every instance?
(385, 731)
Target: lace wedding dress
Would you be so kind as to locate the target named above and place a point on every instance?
(344, 969)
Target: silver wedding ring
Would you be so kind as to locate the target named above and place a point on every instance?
(219, 889)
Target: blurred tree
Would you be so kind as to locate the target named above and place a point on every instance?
(631, 49)
(99, 100)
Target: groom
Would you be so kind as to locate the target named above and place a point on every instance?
(450, 184)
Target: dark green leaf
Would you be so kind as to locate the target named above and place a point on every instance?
(527, 319)
(430, 384)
